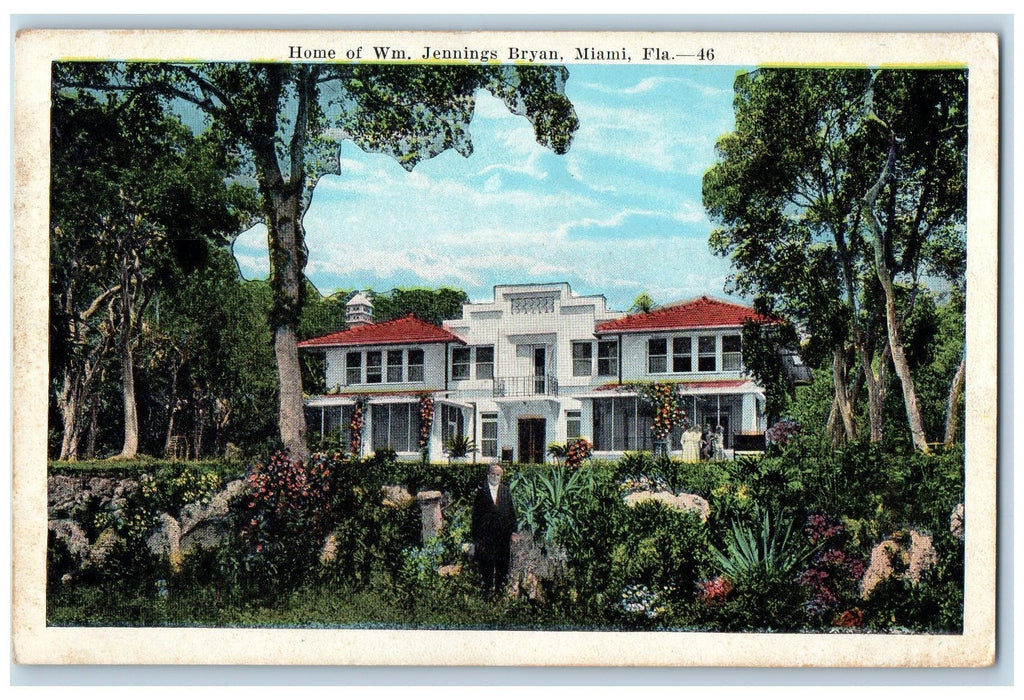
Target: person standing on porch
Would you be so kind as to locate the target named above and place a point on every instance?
(494, 529)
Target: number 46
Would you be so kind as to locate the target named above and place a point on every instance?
(706, 55)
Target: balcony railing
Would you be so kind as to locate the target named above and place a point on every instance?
(544, 385)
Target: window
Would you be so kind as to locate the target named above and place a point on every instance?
(573, 424)
(373, 368)
(706, 353)
(607, 358)
(460, 363)
(582, 359)
(415, 366)
(485, 362)
(452, 423)
(657, 355)
(395, 365)
(395, 425)
(353, 368)
(621, 424)
(732, 355)
(682, 355)
(489, 434)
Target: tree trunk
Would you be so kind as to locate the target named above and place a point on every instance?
(292, 415)
(70, 403)
(94, 410)
(956, 390)
(899, 358)
(843, 404)
(172, 406)
(131, 412)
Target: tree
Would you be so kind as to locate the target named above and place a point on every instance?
(820, 230)
(286, 120)
(431, 305)
(132, 192)
(642, 304)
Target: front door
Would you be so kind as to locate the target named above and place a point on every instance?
(531, 440)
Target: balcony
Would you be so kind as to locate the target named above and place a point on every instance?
(544, 385)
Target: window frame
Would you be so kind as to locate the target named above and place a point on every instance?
(415, 371)
(656, 359)
(484, 368)
(357, 368)
(374, 367)
(578, 360)
(461, 368)
(611, 360)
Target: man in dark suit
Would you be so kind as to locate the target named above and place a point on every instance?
(494, 529)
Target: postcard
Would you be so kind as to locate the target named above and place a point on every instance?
(517, 348)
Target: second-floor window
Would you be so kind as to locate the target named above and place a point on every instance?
(415, 365)
(607, 358)
(706, 353)
(657, 355)
(354, 368)
(395, 366)
(582, 358)
(732, 352)
(460, 363)
(485, 362)
(374, 373)
(682, 354)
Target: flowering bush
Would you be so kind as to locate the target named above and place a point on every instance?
(782, 432)
(668, 409)
(355, 427)
(714, 591)
(286, 516)
(577, 452)
(640, 600)
(833, 574)
(426, 406)
(643, 482)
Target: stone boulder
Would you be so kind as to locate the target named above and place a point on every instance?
(532, 565)
(205, 524)
(165, 541)
(905, 558)
(430, 514)
(956, 521)
(684, 502)
(395, 497)
(71, 536)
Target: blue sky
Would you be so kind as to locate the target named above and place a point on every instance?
(618, 215)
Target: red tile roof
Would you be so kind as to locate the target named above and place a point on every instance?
(400, 331)
(703, 312)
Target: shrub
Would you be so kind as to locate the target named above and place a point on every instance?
(282, 524)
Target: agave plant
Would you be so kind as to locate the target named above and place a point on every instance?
(547, 501)
(459, 446)
(772, 553)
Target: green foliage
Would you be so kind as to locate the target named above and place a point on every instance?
(460, 446)
(546, 499)
(430, 305)
(774, 552)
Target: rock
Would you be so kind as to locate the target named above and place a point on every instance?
(956, 521)
(430, 514)
(906, 560)
(102, 547)
(685, 502)
(329, 552)
(165, 541)
(73, 537)
(395, 496)
(449, 570)
(204, 525)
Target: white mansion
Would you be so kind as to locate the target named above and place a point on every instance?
(536, 365)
